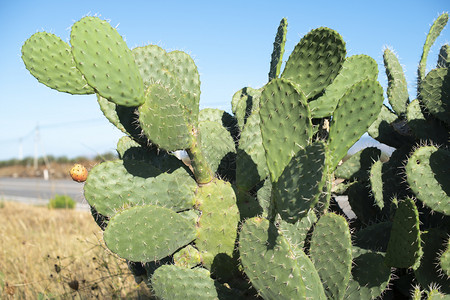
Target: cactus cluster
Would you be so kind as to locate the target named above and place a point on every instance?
(410, 193)
(250, 212)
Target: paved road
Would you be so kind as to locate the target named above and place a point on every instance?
(39, 191)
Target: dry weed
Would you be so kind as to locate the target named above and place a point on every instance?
(46, 254)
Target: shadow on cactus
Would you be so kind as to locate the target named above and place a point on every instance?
(249, 212)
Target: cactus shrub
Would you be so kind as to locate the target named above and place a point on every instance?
(249, 212)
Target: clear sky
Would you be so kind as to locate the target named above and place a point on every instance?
(230, 41)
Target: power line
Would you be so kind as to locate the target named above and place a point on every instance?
(49, 126)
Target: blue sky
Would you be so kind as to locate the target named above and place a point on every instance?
(230, 41)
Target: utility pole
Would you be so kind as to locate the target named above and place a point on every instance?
(36, 143)
(20, 149)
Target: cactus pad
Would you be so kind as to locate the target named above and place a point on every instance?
(278, 50)
(50, 60)
(285, 124)
(163, 119)
(331, 239)
(297, 233)
(251, 166)
(370, 277)
(136, 183)
(188, 257)
(244, 103)
(147, 233)
(155, 66)
(429, 270)
(428, 177)
(315, 61)
(397, 90)
(217, 226)
(106, 62)
(435, 93)
(356, 111)
(216, 143)
(444, 260)
(354, 69)
(404, 248)
(298, 187)
(173, 282)
(358, 165)
(276, 268)
(435, 31)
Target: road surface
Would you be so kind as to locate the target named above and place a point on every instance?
(39, 191)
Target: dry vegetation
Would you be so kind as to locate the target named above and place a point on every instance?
(58, 254)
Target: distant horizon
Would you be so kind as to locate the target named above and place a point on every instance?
(231, 44)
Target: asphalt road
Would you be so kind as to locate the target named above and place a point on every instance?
(39, 191)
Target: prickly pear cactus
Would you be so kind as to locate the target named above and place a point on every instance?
(410, 192)
(249, 211)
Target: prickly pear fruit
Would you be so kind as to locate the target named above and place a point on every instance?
(78, 173)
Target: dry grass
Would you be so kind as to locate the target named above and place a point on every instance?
(47, 254)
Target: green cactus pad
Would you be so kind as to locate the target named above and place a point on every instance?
(297, 233)
(124, 118)
(285, 124)
(278, 50)
(275, 267)
(106, 62)
(217, 226)
(362, 204)
(425, 129)
(356, 111)
(251, 166)
(109, 111)
(404, 248)
(358, 165)
(374, 237)
(126, 143)
(370, 277)
(444, 260)
(244, 103)
(433, 34)
(136, 183)
(264, 196)
(429, 272)
(155, 66)
(50, 60)
(248, 204)
(397, 90)
(163, 121)
(298, 187)
(187, 257)
(189, 79)
(383, 129)
(216, 143)
(220, 116)
(331, 253)
(147, 233)
(428, 177)
(315, 61)
(354, 69)
(128, 149)
(171, 282)
(444, 57)
(434, 93)
(376, 183)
